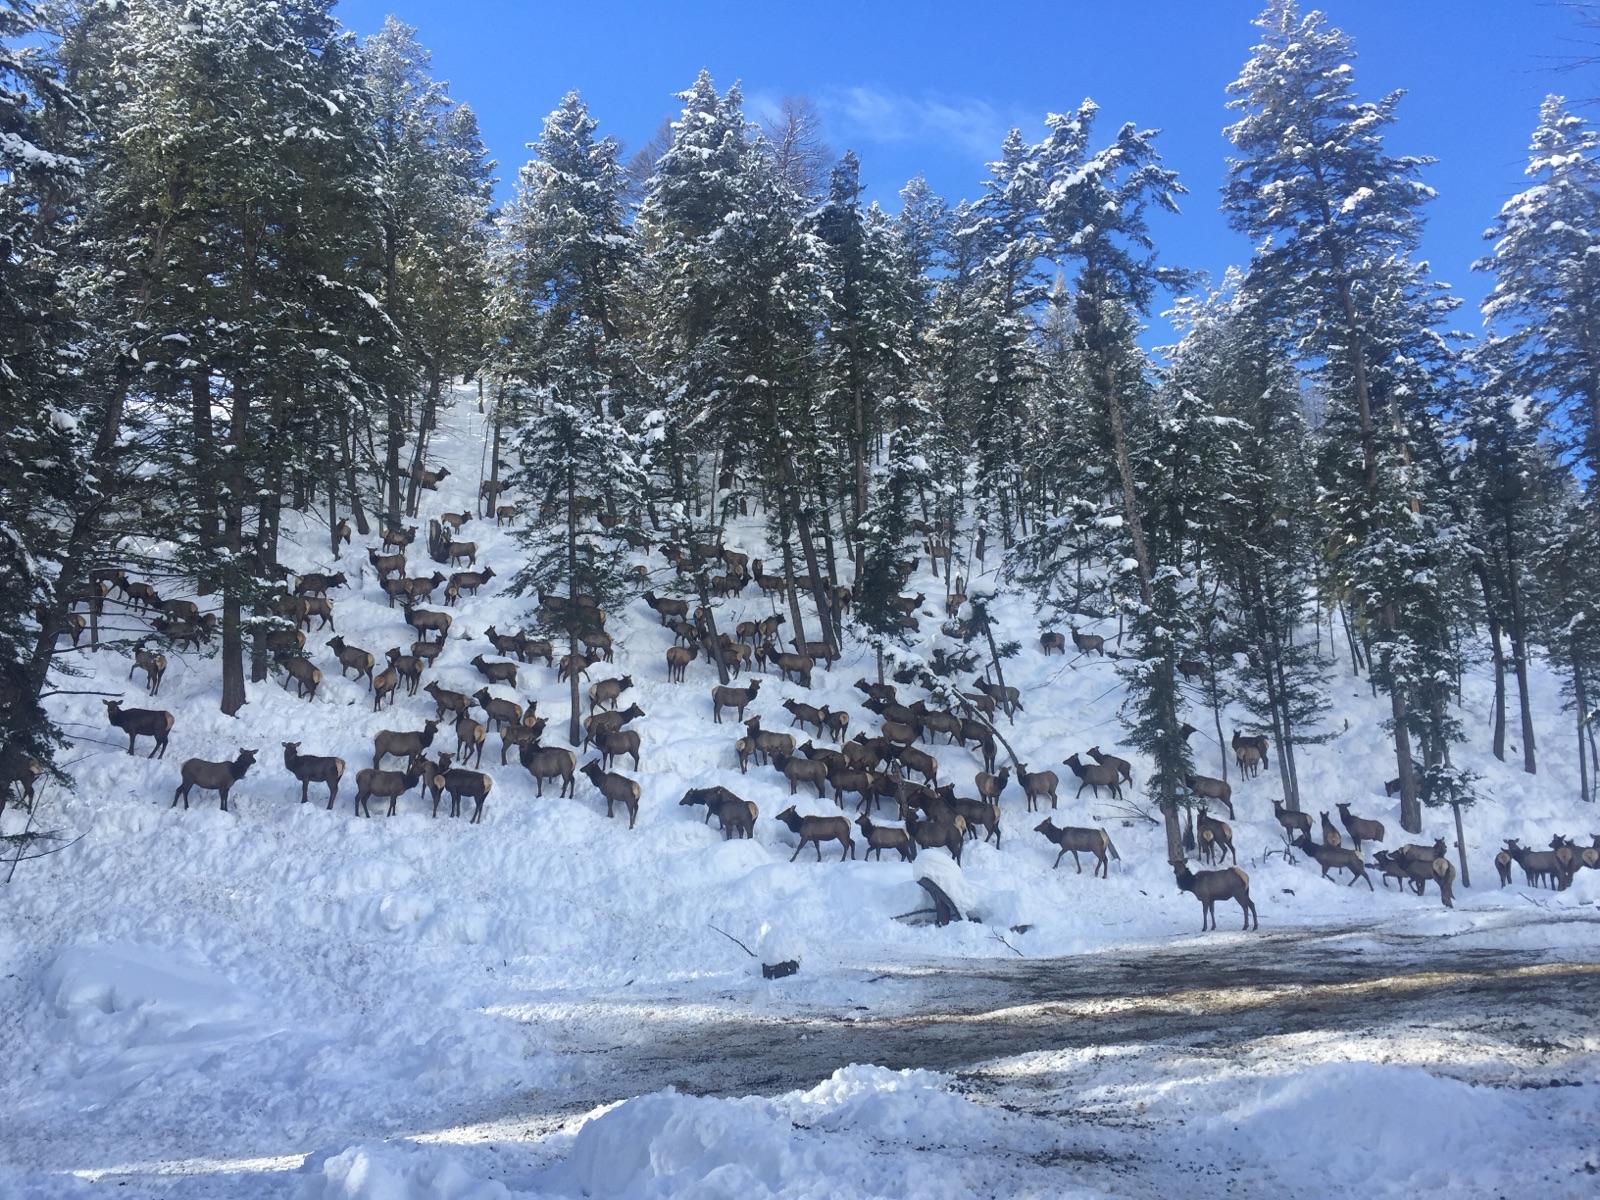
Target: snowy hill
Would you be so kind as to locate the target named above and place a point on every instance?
(283, 977)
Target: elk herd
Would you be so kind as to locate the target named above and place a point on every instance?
(892, 766)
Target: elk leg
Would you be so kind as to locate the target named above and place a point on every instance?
(797, 850)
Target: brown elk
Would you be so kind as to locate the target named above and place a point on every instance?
(420, 588)
(285, 641)
(496, 672)
(1330, 835)
(570, 665)
(978, 814)
(216, 777)
(549, 762)
(1006, 697)
(886, 837)
(1053, 639)
(735, 817)
(1095, 776)
(990, 786)
(1210, 886)
(142, 722)
(428, 480)
(666, 606)
(462, 552)
(386, 683)
(448, 701)
(307, 678)
(467, 583)
(311, 768)
(803, 770)
(678, 660)
(409, 666)
(1360, 828)
(921, 762)
(616, 742)
(427, 621)
(1089, 643)
(817, 830)
(617, 789)
(500, 713)
(608, 722)
(1537, 866)
(1192, 668)
(182, 610)
(733, 697)
(470, 736)
(154, 665)
(1291, 822)
(387, 785)
(1038, 785)
(1071, 839)
(608, 691)
(352, 658)
(387, 564)
(1335, 858)
(808, 716)
(943, 829)
(1251, 750)
(1216, 838)
(1123, 766)
(1207, 788)
(460, 782)
(402, 743)
(317, 583)
(504, 514)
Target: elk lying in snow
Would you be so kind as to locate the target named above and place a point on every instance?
(817, 830)
(550, 762)
(311, 768)
(141, 722)
(733, 697)
(1211, 789)
(402, 743)
(1360, 828)
(886, 837)
(387, 785)
(617, 789)
(1334, 858)
(154, 665)
(1216, 837)
(735, 817)
(1071, 840)
(1095, 776)
(216, 777)
(1210, 886)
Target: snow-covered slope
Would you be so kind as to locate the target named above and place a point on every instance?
(265, 981)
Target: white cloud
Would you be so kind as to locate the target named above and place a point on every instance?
(872, 114)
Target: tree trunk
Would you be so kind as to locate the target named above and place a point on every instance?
(1497, 651)
(1580, 701)
(1410, 805)
(1461, 848)
(347, 450)
(574, 735)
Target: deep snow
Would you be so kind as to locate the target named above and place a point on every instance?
(253, 986)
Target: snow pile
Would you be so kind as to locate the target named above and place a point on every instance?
(863, 1132)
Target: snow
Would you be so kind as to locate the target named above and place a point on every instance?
(284, 1000)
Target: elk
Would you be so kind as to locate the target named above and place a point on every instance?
(817, 830)
(470, 736)
(426, 479)
(408, 666)
(1359, 828)
(1052, 640)
(456, 519)
(1007, 697)
(570, 665)
(427, 620)
(216, 777)
(1191, 668)
(921, 762)
(504, 514)
(317, 583)
(141, 722)
(881, 692)
(181, 610)
(386, 683)
(520, 734)
(616, 742)
(352, 658)
(448, 701)
(311, 768)
(935, 721)
(990, 786)
(617, 789)
(982, 741)
(608, 722)
(1537, 865)
(496, 672)
(845, 778)
(886, 837)
(390, 785)
(1072, 839)
(552, 762)
(286, 641)
(1123, 766)
(1211, 789)
(1038, 784)
(597, 645)
(678, 660)
(307, 678)
(1094, 776)
(468, 582)
(1210, 886)
(154, 665)
(1293, 822)
(666, 606)
(463, 552)
(943, 829)
(608, 691)
(978, 814)
(1088, 643)
(386, 564)
(1333, 858)
(193, 634)
(1250, 751)
(1502, 865)
(806, 715)
(403, 744)
(1216, 837)
(319, 607)
(1416, 852)
(508, 645)
(1330, 835)
(733, 697)
(735, 817)
(500, 713)
(802, 770)
(142, 595)
(460, 782)
(420, 587)
(796, 664)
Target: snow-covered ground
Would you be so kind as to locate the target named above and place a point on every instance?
(205, 999)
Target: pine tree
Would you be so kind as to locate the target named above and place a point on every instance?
(1545, 302)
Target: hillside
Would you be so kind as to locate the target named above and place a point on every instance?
(257, 981)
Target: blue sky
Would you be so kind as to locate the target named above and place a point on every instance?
(933, 86)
